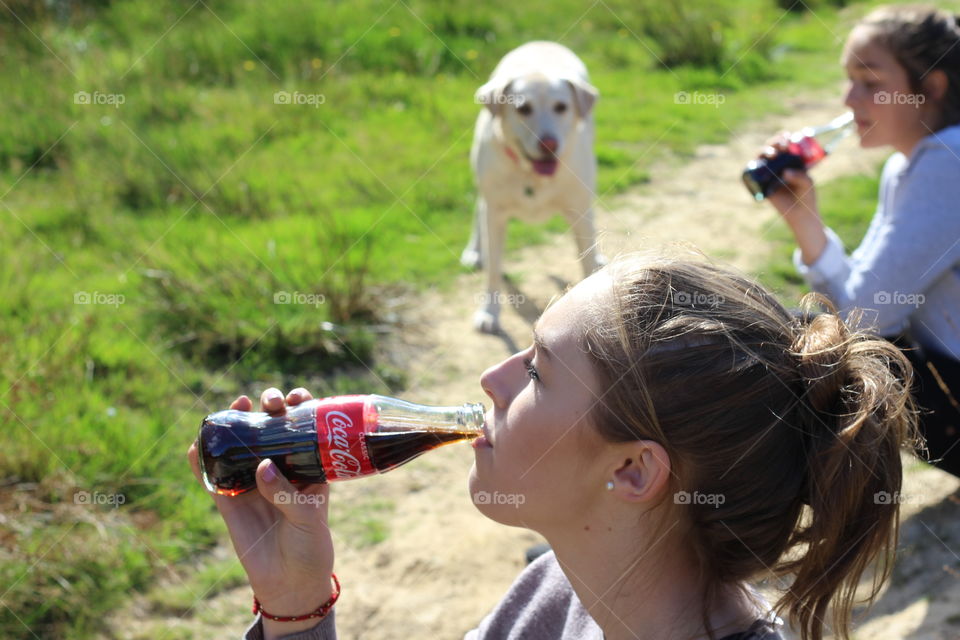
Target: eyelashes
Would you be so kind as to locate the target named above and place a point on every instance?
(531, 370)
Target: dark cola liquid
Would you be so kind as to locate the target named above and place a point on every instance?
(765, 175)
(231, 448)
(390, 449)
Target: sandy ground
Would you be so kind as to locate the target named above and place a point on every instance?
(444, 565)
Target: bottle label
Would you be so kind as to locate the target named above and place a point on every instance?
(340, 431)
(809, 149)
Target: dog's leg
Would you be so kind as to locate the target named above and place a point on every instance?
(472, 256)
(493, 233)
(581, 223)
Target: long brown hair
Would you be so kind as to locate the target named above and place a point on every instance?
(922, 38)
(796, 420)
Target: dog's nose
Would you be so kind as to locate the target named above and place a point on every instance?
(548, 144)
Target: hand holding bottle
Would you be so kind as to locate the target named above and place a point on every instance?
(796, 200)
(785, 159)
(796, 197)
(280, 534)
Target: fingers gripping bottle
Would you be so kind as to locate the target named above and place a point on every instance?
(807, 147)
(327, 440)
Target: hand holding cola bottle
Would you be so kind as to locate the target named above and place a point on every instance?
(280, 533)
(796, 196)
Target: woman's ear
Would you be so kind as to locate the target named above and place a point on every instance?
(645, 472)
(935, 85)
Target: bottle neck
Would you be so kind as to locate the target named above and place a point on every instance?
(830, 135)
(839, 123)
(471, 416)
(393, 414)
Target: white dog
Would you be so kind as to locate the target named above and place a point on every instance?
(532, 156)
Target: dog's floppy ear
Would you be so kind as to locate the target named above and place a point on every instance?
(492, 94)
(584, 94)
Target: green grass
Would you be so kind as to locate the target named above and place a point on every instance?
(183, 212)
(364, 521)
(210, 579)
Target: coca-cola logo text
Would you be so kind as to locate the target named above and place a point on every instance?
(339, 428)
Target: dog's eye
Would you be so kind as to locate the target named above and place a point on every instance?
(525, 109)
(560, 107)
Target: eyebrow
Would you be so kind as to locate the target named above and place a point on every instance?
(857, 63)
(541, 347)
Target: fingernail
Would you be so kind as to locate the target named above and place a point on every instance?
(270, 473)
(272, 394)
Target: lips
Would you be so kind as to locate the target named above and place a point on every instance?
(483, 441)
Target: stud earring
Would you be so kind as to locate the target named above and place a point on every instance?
(609, 485)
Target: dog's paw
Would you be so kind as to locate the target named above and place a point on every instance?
(486, 322)
(471, 259)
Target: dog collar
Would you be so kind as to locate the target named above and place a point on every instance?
(527, 190)
(512, 154)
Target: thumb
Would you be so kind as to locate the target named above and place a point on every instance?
(295, 505)
(797, 177)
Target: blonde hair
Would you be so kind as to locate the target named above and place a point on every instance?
(797, 420)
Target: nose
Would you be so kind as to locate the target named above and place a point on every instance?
(548, 144)
(497, 382)
(851, 97)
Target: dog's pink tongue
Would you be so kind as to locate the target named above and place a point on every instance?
(545, 167)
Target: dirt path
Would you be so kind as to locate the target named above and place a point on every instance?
(444, 565)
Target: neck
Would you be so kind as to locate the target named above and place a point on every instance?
(909, 142)
(642, 591)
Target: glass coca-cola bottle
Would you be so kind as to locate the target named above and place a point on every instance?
(328, 439)
(806, 148)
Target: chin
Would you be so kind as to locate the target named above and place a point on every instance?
(508, 515)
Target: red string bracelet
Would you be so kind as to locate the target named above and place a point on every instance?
(320, 612)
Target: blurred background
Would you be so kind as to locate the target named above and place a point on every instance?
(202, 199)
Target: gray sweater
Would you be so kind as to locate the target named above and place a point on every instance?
(540, 605)
(906, 272)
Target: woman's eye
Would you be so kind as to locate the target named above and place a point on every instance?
(531, 370)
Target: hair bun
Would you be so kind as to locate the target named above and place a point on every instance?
(821, 348)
